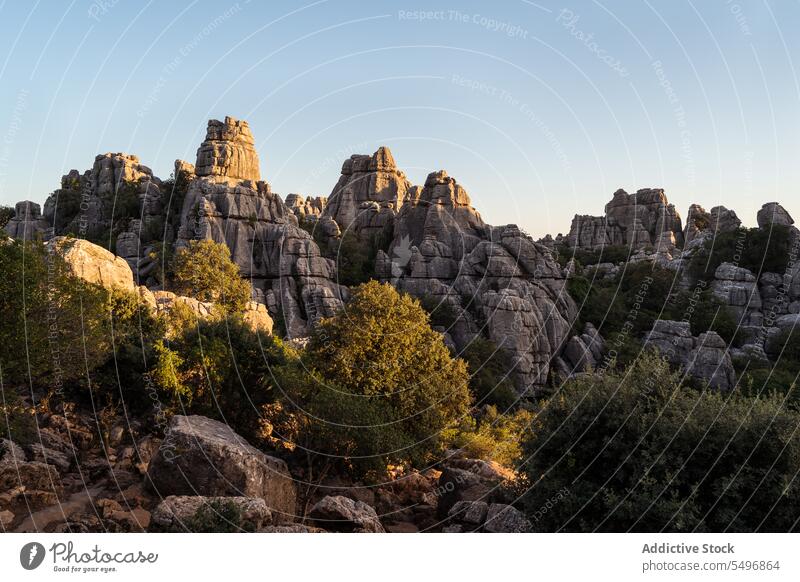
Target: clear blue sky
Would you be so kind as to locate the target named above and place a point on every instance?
(540, 110)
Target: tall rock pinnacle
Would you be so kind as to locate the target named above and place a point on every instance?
(228, 151)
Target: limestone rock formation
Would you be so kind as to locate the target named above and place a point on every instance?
(176, 512)
(699, 222)
(479, 516)
(773, 213)
(497, 275)
(306, 209)
(705, 357)
(342, 514)
(28, 222)
(93, 263)
(470, 480)
(644, 218)
(282, 261)
(200, 456)
(737, 288)
(228, 151)
(369, 192)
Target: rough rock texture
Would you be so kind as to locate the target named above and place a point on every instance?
(175, 513)
(718, 220)
(282, 261)
(88, 203)
(479, 516)
(644, 218)
(705, 358)
(442, 249)
(367, 187)
(28, 222)
(200, 456)
(737, 288)
(306, 209)
(35, 482)
(773, 213)
(470, 480)
(342, 514)
(228, 151)
(93, 263)
(584, 352)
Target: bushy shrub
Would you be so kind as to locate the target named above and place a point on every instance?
(59, 331)
(219, 368)
(355, 260)
(490, 374)
(6, 214)
(204, 270)
(493, 436)
(754, 249)
(17, 421)
(376, 384)
(218, 517)
(640, 452)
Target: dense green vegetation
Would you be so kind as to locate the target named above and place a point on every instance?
(637, 451)
(375, 386)
(754, 249)
(204, 270)
(6, 214)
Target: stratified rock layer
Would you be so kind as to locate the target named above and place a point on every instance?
(228, 151)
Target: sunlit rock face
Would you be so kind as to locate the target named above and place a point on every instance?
(226, 202)
(497, 281)
(228, 151)
(642, 219)
(368, 194)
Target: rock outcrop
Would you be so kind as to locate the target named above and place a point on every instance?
(370, 190)
(736, 287)
(27, 222)
(200, 456)
(282, 261)
(306, 209)
(699, 222)
(178, 513)
(342, 514)
(228, 151)
(644, 218)
(93, 263)
(773, 213)
(705, 358)
(479, 516)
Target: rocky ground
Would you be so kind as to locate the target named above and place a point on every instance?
(83, 476)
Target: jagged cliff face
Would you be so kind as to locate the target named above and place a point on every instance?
(225, 202)
(644, 218)
(228, 151)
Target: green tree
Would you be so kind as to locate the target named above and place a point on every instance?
(490, 374)
(220, 368)
(6, 214)
(204, 270)
(377, 383)
(60, 332)
(638, 451)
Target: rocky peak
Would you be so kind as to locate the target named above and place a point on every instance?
(718, 220)
(442, 189)
(228, 151)
(27, 222)
(644, 218)
(368, 185)
(772, 214)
